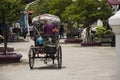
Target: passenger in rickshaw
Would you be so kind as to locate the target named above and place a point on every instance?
(50, 30)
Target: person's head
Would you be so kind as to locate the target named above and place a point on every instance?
(45, 21)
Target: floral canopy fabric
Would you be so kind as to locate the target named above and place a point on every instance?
(47, 17)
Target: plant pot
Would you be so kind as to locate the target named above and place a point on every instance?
(9, 49)
(90, 43)
(10, 58)
(73, 41)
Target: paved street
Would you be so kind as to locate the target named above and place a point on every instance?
(79, 63)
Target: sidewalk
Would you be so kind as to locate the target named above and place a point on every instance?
(79, 63)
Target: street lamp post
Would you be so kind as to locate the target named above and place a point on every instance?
(114, 22)
(26, 16)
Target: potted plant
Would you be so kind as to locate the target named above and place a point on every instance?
(10, 11)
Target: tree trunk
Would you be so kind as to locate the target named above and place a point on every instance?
(5, 32)
(87, 34)
(5, 40)
(106, 25)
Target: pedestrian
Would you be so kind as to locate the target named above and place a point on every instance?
(31, 30)
(17, 29)
(61, 31)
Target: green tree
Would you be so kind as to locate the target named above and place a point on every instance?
(10, 11)
(105, 11)
(57, 7)
(40, 7)
(87, 12)
(82, 11)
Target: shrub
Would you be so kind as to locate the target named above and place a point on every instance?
(101, 32)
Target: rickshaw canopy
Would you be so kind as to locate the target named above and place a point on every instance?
(46, 17)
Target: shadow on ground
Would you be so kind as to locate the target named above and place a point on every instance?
(49, 67)
(22, 62)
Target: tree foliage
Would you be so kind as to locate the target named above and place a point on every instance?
(81, 11)
(105, 10)
(87, 11)
(57, 7)
(10, 11)
(40, 7)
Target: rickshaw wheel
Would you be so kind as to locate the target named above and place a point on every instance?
(59, 55)
(31, 57)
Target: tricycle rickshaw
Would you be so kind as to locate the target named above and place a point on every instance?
(48, 50)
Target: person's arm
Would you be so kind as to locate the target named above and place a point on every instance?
(45, 28)
(55, 30)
